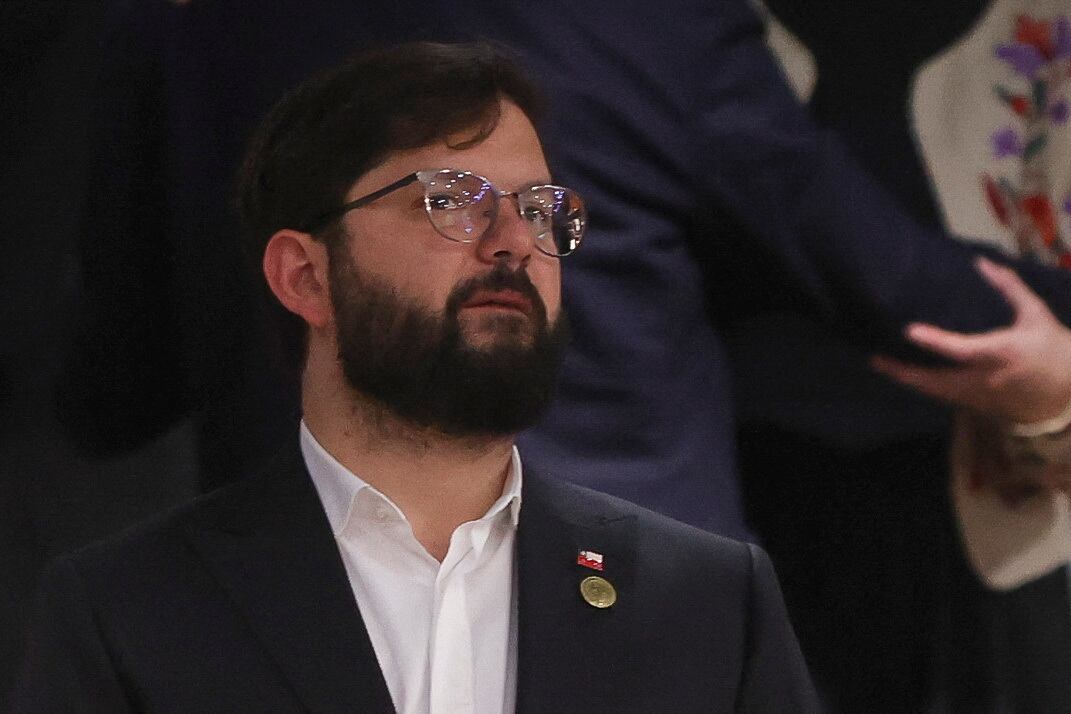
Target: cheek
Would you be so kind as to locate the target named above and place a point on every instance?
(419, 266)
(547, 280)
(429, 284)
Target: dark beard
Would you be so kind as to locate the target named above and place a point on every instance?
(418, 365)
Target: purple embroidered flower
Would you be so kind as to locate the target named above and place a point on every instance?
(1061, 35)
(1026, 60)
(1006, 142)
(1059, 111)
(1039, 53)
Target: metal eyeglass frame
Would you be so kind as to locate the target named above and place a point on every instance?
(321, 221)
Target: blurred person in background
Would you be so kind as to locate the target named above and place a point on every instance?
(960, 113)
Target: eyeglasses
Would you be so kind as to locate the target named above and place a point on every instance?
(463, 206)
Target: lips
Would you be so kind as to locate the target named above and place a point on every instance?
(505, 299)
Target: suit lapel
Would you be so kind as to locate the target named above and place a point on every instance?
(568, 651)
(269, 544)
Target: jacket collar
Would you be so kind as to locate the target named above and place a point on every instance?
(268, 542)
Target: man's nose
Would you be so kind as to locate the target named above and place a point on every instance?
(509, 239)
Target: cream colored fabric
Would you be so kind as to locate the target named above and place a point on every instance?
(955, 113)
(796, 61)
(1010, 545)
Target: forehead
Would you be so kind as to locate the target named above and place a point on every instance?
(511, 156)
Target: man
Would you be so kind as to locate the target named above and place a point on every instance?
(401, 559)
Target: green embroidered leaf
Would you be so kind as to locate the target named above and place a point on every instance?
(1035, 146)
(1003, 92)
(1040, 98)
(1008, 189)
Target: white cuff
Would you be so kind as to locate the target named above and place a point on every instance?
(1043, 428)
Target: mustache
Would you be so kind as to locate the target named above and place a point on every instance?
(498, 279)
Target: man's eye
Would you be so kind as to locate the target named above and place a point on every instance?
(444, 202)
(535, 215)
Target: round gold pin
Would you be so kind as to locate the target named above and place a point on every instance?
(598, 592)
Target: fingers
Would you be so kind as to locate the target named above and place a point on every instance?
(1008, 283)
(951, 384)
(956, 346)
(986, 346)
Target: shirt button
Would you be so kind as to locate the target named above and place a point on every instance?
(381, 514)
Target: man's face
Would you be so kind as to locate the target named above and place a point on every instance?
(462, 337)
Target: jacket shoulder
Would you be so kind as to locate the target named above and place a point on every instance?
(146, 548)
(654, 535)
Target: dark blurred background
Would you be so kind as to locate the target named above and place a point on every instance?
(52, 498)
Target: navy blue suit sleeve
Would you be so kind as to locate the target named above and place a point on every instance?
(795, 188)
(66, 666)
(775, 677)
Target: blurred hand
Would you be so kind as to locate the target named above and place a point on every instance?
(1020, 373)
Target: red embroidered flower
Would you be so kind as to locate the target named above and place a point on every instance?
(1039, 53)
(1019, 105)
(1039, 208)
(1036, 33)
(996, 199)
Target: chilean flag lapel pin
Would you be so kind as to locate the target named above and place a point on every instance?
(589, 559)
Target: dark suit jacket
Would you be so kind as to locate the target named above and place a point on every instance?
(240, 602)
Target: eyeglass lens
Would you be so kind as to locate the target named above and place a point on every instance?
(463, 207)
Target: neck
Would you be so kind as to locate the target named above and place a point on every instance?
(438, 481)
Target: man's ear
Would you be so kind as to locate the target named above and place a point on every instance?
(295, 266)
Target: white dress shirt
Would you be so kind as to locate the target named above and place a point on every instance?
(445, 634)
